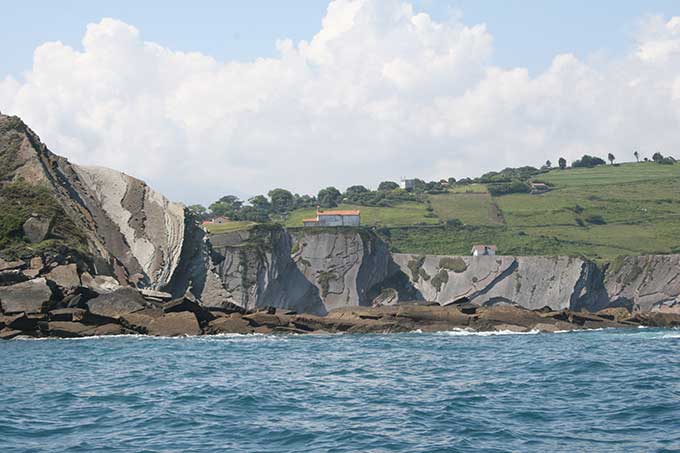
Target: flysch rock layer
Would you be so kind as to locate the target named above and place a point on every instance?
(152, 226)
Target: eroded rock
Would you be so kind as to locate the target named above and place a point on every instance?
(33, 296)
(118, 303)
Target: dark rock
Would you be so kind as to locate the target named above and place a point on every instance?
(8, 334)
(174, 324)
(19, 322)
(261, 318)
(37, 228)
(12, 277)
(468, 308)
(190, 304)
(617, 314)
(11, 265)
(65, 276)
(657, 319)
(67, 329)
(33, 296)
(140, 321)
(509, 314)
(68, 314)
(118, 303)
(229, 325)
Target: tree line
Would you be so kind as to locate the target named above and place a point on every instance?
(280, 202)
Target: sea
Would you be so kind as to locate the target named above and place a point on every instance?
(607, 390)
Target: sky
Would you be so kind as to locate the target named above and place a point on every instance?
(208, 98)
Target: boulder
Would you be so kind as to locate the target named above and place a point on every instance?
(140, 321)
(229, 325)
(19, 322)
(157, 295)
(67, 329)
(190, 304)
(8, 334)
(175, 324)
(509, 314)
(65, 276)
(12, 277)
(118, 303)
(11, 265)
(68, 314)
(102, 284)
(37, 228)
(33, 296)
(109, 329)
(617, 314)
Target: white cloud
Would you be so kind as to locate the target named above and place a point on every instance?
(381, 91)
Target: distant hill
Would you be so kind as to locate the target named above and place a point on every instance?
(626, 209)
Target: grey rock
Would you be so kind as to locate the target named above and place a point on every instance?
(118, 303)
(174, 324)
(66, 276)
(33, 296)
(8, 334)
(37, 228)
(11, 265)
(102, 284)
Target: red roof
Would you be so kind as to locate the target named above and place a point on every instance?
(309, 220)
(351, 212)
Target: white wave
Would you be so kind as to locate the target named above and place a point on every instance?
(470, 332)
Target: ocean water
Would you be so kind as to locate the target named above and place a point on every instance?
(605, 390)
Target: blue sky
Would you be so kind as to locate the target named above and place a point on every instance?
(364, 91)
(526, 33)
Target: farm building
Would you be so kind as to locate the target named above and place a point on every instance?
(539, 187)
(334, 218)
(483, 250)
(408, 184)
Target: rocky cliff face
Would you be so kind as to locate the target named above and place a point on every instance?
(647, 283)
(135, 236)
(532, 282)
(131, 231)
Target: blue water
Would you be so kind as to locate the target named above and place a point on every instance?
(589, 391)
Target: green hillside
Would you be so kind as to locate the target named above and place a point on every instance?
(596, 212)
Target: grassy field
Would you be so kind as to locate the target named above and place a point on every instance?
(600, 212)
(403, 214)
(228, 227)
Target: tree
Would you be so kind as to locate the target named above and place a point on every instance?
(260, 203)
(657, 157)
(386, 186)
(637, 155)
(227, 206)
(197, 210)
(611, 158)
(253, 214)
(562, 162)
(329, 197)
(452, 181)
(587, 162)
(282, 201)
(355, 190)
(548, 164)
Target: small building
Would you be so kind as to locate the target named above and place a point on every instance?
(539, 187)
(483, 250)
(334, 219)
(219, 220)
(408, 184)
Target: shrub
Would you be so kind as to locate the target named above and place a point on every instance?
(596, 219)
(454, 223)
(588, 162)
(440, 279)
(515, 186)
(456, 264)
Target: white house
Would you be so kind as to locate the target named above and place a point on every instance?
(483, 250)
(334, 218)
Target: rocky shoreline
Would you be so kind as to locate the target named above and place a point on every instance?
(131, 311)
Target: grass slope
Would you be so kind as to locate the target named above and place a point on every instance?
(599, 212)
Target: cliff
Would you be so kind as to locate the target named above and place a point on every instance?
(129, 231)
(78, 232)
